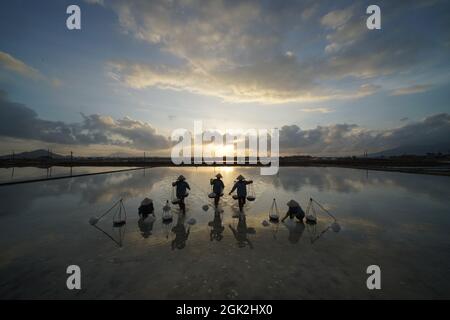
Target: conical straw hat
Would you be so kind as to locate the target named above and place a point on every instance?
(219, 175)
(240, 177)
(146, 202)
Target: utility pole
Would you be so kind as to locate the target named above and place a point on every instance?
(71, 162)
(12, 172)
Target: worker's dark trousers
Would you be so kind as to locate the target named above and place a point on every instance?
(241, 201)
(182, 205)
(216, 201)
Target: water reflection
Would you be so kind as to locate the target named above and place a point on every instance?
(95, 189)
(344, 180)
(145, 224)
(216, 225)
(241, 232)
(394, 220)
(181, 231)
(116, 234)
(315, 235)
(275, 226)
(14, 174)
(296, 229)
(167, 229)
(104, 188)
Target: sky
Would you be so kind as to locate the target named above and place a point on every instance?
(137, 70)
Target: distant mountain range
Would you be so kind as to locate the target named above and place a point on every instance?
(418, 150)
(40, 153)
(122, 155)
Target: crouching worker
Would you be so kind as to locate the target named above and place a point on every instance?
(294, 211)
(217, 186)
(181, 191)
(241, 187)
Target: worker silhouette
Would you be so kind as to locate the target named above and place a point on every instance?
(294, 211)
(217, 186)
(181, 191)
(241, 188)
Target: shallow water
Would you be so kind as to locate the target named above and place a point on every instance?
(30, 173)
(395, 220)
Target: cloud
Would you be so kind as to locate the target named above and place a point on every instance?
(410, 90)
(318, 110)
(10, 63)
(99, 2)
(19, 121)
(433, 130)
(280, 80)
(337, 18)
(345, 139)
(237, 50)
(19, 67)
(309, 12)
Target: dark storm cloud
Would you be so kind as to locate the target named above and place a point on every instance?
(19, 121)
(432, 130)
(349, 138)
